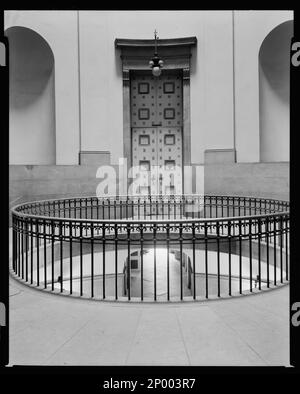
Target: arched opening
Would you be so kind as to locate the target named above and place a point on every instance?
(274, 93)
(32, 98)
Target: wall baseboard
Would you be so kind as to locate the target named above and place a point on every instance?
(213, 156)
(94, 158)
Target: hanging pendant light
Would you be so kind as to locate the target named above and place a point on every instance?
(156, 63)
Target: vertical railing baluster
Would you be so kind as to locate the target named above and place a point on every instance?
(91, 208)
(18, 253)
(250, 253)
(132, 207)
(218, 256)
(116, 262)
(22, 245)
(37, 230)
(259, 253)
(274, 248)
(206, 260)
(240, 257)
(45, 254)
(229, 256)
(281, 259)
(181, 261)
(180, 207)
(61, 226)
(19, 247)
(142, 260)
(31, 251)
(286, 248)
(154, 259)
(193, 208)
(128, 260)
(268, 257)
(13, 243)
(168, 261)
(92, 260)
(81, 257)
(103, 260)
(71, 255)
(52, 253)
(175, 210)
(222, 206)
(194, 262)
(27, 247)
(227, 202)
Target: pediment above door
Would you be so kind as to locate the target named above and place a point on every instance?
(136, 53)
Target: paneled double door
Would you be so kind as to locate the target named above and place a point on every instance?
(156, 131)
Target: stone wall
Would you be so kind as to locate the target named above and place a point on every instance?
(270, 180)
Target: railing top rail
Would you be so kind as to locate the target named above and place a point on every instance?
(154, 221)
(159, 221)
(127, 196)
(143, 197)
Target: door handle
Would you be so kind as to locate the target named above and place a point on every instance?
(156, 124)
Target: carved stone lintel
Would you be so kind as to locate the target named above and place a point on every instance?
(145, 43)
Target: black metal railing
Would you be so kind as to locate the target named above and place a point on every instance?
(152, 247)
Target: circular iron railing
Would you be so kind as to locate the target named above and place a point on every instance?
(161, 248)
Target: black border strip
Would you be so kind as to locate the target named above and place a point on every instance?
(4, 262)
(97, 374)
(295, 210)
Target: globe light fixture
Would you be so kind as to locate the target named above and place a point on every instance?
(156, 63)
(156, 71)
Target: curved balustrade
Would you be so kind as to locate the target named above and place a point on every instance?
(152, 247)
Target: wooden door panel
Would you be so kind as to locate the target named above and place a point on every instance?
(144, 152)
(143, 101)
(169, 100)
(170, 159)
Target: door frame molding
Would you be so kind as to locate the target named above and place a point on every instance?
(135, 55)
